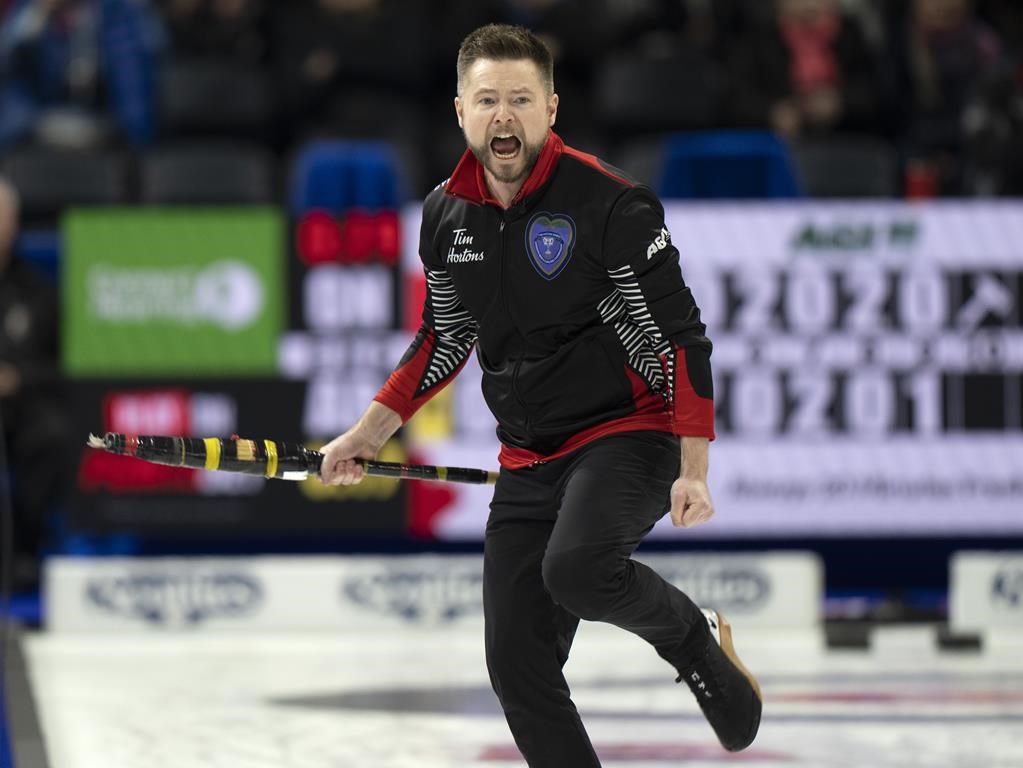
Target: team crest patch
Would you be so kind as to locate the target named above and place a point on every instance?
(550, 238)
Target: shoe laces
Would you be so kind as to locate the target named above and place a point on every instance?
(703, 679)
(703, 676)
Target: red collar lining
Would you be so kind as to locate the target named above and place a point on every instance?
(469, 183)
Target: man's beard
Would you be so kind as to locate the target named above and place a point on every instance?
(530, 152)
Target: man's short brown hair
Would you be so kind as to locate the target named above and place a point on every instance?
(505, 42)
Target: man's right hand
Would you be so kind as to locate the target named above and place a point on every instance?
(363, 441)
(339, 467)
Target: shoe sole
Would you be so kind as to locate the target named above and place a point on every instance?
(728, 646)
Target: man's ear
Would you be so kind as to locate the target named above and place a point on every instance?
(458, 111)
(552, 110)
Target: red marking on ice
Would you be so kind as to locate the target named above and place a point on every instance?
(656, 752)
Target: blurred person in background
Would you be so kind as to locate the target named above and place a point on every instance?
(993, 134)
(645, 38)
(559, 270)
(809, 71)
(1006, 16)
(631, 24)
(232, 29)
(352, 67)
(78, 72)
(944, 59)
(35, 430)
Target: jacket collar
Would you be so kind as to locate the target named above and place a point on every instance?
(468, 182)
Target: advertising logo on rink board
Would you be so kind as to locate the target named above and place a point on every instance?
(176, 599)
(1007, 588)
(728, 587)
(429, 594)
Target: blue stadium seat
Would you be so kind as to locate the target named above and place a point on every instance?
(727, 165)
(41, 247)
(337, 175)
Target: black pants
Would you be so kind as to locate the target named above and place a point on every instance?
(557, 550)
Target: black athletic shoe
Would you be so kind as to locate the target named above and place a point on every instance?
(728, 694)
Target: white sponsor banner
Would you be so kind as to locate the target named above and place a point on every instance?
(868, 369)
(357, 593)
(261, 593)
(769, 590)
(986, 591)
(188, 594)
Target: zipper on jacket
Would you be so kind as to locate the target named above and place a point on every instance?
(504, 301)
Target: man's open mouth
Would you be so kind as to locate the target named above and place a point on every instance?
(505, 147)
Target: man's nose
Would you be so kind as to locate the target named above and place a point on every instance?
(502, 114)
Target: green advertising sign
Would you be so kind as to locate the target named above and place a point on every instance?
(178, 291)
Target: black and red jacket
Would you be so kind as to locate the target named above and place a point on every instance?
(575, 301)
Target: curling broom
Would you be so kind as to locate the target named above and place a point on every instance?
(284, 461)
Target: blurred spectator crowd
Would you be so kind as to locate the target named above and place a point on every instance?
(936, 86)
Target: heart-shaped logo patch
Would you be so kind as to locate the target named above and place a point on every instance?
(550, 238)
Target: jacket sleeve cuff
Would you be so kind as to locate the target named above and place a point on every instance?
(402, 407)
(693, 414)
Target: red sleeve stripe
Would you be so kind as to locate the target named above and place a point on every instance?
(398, 393)
(694, 415)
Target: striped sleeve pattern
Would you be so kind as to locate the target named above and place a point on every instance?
(650, 353)
(665, 338)
(438, 352)
(455, 331)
